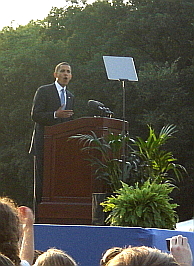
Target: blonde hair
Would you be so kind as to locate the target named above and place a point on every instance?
(142, 256)
(109, 254)
(55, 257)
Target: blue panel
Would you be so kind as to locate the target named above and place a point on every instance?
(86, 244)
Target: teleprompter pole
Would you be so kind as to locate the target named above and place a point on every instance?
(124, 131)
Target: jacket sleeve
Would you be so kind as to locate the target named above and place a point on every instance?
(43, 108)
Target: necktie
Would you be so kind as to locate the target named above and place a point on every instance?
(62, 97)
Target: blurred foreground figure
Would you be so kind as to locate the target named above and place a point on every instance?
(145, 256)
(5, 261)
(55, 257)
(16, 232)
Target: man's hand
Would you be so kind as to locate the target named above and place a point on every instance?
(60, 113)
(181, 251)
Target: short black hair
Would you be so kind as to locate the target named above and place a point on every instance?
(61, 64)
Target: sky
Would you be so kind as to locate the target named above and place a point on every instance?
(20, 12)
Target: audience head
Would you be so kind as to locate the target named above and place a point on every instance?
(5, 261)
(142, 256)
(55, 257)
(9, 229)
(37, 253)
(109, 254)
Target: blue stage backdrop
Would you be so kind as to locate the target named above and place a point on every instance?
(87, 243)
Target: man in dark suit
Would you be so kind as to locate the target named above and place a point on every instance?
(52, 104)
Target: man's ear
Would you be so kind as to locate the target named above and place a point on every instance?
(55, 75)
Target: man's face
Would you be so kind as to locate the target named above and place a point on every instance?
(63, 75)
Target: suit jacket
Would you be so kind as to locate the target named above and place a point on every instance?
(46, 102)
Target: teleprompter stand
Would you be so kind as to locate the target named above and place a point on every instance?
(121, 69)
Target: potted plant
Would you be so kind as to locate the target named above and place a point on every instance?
(105, 155)
(146, 205)
(144, 159)
(156, 163)
(146, 162)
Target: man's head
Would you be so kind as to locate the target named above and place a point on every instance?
(63, 73)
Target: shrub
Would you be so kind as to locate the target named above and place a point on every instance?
(145, 206)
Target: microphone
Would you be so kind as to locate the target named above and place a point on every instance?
(100, 106)
(96, 105)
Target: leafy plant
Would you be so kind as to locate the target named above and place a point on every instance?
(145, 206)
(105, 154)
(143, 159)
(156, 163)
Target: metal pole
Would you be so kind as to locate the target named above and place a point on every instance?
(124, 102)
(123, 132)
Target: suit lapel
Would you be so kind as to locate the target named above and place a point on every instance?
(55, 96)
(68, 101)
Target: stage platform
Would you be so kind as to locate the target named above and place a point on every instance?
(87, 243)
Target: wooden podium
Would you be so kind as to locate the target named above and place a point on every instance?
(68, 180)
